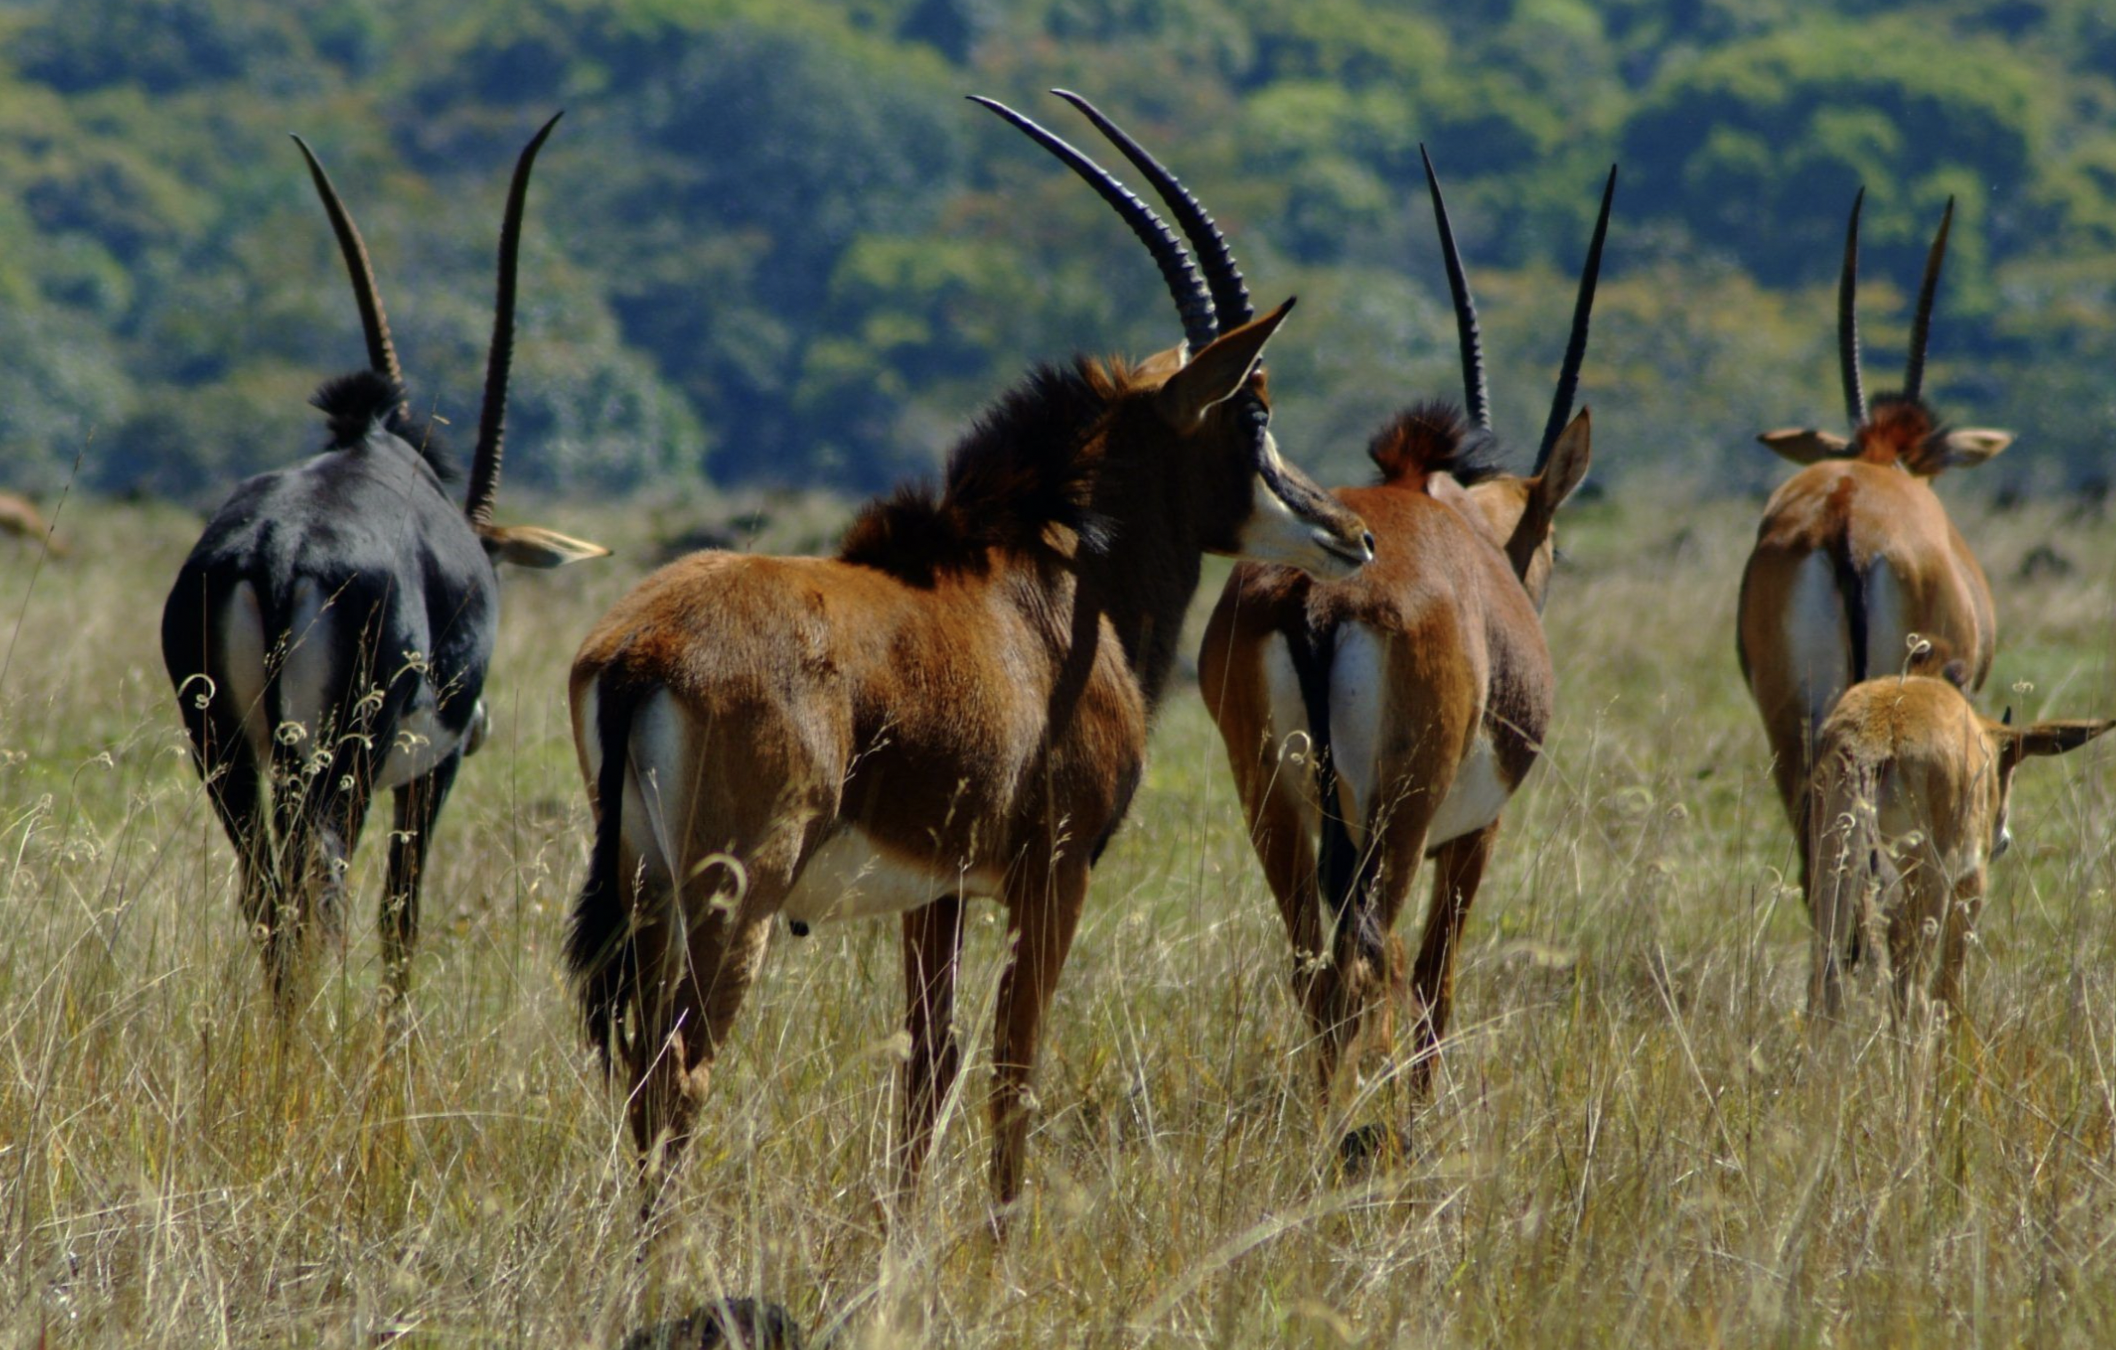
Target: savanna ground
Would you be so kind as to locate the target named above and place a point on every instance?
(1631, 1142)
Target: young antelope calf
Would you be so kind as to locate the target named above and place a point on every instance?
(1908, 809)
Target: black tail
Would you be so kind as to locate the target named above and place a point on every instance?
(1851, 588)
(601, 951)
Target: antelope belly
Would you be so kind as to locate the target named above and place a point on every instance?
(1475, 799)
(421, 742)
(850, 877)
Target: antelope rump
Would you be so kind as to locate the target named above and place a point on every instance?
(1374, 720)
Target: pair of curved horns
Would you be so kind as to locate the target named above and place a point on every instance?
(1848, 317)
(1475, 391)
(1209, 305)
(382, 352)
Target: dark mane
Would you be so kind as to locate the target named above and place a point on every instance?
(357, 402)
(1023, 468)
(1901, 430)
(1434, 437)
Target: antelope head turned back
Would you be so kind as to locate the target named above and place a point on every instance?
(954, 706)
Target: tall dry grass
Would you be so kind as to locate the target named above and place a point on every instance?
(1631, 1141)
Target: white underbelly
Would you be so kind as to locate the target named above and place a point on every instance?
(1474, 799)
(849, 878)
(422, 742)
(1358, 702)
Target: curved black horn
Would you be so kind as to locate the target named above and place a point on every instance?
(1848, 318)
(1921, 325)
(492, 417)
(1576, 345)
(381, 352)
(1476, 394)
(1193, 301)
(1230, 294)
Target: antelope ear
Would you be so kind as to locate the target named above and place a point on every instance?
(2047, 738)
(1566, 468)
(530, 546)
(1218, 373)
(1805, 445)
(1969, 446)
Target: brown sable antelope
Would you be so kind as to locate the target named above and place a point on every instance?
(956, 705)
(1373, 720)
(19, 517)
(1856, 555)
(1909, 807)
(331, 631)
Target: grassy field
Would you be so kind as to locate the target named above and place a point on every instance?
(1631, 1142)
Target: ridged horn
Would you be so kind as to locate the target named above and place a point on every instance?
(1921, 325)
(1230, 294)
(1576, 344)
(1476, 393)
(1193, 301)
(381, 352)
(1848, 319)
(492, 417)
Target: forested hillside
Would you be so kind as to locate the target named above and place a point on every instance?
(771, 241)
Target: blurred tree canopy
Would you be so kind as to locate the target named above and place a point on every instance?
(770, 242)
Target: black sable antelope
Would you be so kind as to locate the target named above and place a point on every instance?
(333, 627)
(956, 705)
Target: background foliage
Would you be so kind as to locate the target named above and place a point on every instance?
(771, 243)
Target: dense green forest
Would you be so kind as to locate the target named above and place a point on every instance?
(771, 242)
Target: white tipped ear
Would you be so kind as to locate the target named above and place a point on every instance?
(1805, 445)
(1567, 466)
(530, 546)
(1971, 445)
(1218, 373)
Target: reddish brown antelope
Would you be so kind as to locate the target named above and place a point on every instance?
(1412, 696)
(332, 628)
(956, 705)
(1909, 807)
(1855, 554)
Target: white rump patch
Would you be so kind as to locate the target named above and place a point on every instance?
(1474, 799)
(1817, 636)
(655, 780)
(849, 877)
(1358, 695)
(241, 666)
(1292, 741)
(307, 668)
(1289, 712)
(1887, 636)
